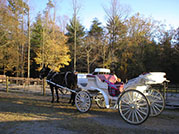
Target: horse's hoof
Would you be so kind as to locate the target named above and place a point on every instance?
(57, 102)
(73, 103)
(52, 101)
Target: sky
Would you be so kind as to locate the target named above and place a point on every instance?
(166, 11)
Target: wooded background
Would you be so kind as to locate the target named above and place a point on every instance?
(128, 45)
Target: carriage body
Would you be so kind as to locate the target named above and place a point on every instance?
(136, 94)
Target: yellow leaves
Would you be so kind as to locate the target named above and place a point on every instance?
(55, 52)
(140, 29)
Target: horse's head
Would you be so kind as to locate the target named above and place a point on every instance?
(44, 72)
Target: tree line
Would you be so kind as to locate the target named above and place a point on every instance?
(128, 44)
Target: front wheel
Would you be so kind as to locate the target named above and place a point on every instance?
(133, 107)
(100, 101)
(83, 101)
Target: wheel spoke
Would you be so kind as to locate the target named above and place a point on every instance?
(142, 104)
(132, 116)
(124, 109)
(122, 105)
(136, 116)
(154, 110)
(143, 108)
(129, 115)
(158, 105)
(141, 111)
(139, 115)
(158, 101)
(130, 100)
(126, 112)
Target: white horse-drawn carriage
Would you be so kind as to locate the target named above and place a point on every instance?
(135, 100)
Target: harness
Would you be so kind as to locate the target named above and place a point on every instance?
(66, 82)
(56, 73)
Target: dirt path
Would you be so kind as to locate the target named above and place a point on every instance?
(22, 113)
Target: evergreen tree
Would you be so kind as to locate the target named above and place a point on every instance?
(79, 37)
(93, 46)
(96, 30)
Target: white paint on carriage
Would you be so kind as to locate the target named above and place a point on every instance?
(93, 83)
(82, 79)
(140, 82)
(155, 77)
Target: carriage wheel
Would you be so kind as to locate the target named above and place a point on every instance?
(83, 101)
(133, 107)
(157, 102)
(100, 101)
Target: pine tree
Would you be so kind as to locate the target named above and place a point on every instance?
(71, 39)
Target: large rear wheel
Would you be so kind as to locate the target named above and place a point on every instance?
(157, 102)
(133, 107)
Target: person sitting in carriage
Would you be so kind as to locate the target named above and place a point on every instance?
(115, 86)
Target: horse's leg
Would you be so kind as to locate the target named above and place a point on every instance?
(72, 98)
(52, 91)
(56, 89)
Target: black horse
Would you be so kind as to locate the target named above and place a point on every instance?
(65, 79)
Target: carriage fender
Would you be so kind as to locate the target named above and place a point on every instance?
(105, 96)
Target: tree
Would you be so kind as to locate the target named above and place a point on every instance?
(51, 48)
(116, 30)
(12, 38)
(54, 52)
(96, 29)
(93, 45)
(71, 28)
(76, 9)
(139, 35)
(167, 54)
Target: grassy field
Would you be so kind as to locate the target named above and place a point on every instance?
(18, 108)
(22, 113)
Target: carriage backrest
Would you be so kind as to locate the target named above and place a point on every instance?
(108, 77)
(94, 81)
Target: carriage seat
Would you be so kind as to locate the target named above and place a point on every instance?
(94, 81)
(114, 87)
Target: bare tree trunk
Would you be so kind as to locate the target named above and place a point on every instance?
(88, 62)
(76, 9)
(74, 15)
(22, 47)
(28, 72)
